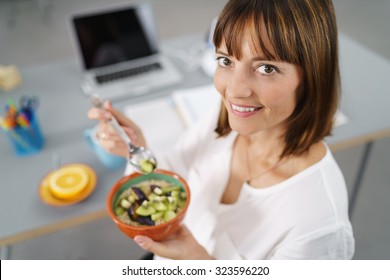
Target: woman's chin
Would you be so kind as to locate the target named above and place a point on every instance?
(242, 129)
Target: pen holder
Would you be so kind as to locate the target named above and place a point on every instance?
(26, 140)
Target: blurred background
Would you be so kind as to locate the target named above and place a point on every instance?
(35, 31)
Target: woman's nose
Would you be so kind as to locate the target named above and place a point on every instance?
(239, 86)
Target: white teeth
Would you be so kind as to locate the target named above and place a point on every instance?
(243, 109)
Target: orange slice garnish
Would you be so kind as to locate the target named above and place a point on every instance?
(68, 181)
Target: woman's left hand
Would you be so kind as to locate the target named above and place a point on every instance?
(180, 246)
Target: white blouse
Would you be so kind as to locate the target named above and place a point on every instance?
(303, 217)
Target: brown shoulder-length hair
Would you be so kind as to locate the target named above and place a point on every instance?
(301, 32)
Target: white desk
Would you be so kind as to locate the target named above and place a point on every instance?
(62, 115)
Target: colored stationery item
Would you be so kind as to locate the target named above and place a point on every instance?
(21, 126)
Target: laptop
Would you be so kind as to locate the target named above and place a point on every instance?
(118, 51)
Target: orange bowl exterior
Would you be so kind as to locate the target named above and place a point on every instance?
(157, 232)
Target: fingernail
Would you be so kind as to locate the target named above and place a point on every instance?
(139, 241)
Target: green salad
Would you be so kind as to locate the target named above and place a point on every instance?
(151, 202)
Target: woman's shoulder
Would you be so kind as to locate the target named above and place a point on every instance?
(319, 172)
(317, 154)
(300, 167)
(321, 163)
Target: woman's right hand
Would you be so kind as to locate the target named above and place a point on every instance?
(107, 136)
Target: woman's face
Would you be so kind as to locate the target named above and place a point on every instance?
(259, 94)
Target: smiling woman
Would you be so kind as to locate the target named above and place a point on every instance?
(263, 183)
(301, 33)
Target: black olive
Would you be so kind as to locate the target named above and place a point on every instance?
(131, 211)
(145, 220)
(139, 195)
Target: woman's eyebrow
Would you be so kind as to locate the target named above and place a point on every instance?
(256, 58)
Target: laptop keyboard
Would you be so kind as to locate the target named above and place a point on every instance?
(105, 78)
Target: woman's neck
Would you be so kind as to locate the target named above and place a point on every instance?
(266, 145)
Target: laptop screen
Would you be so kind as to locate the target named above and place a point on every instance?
(109, 37)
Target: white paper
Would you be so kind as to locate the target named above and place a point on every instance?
(192, 103)
(340, 119)
(159, 122)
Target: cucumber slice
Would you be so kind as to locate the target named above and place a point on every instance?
(169, 215)
(145, 210)
(159, 206)
(125, 203)
(175, 193)
(156, 216)
(181, 203)
(171, 188)
(147, 166)
(119, 210)
(146, 189)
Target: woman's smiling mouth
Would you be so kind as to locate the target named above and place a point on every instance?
(244, 110)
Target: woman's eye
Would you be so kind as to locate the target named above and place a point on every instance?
(224, 62)
(267, 69)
